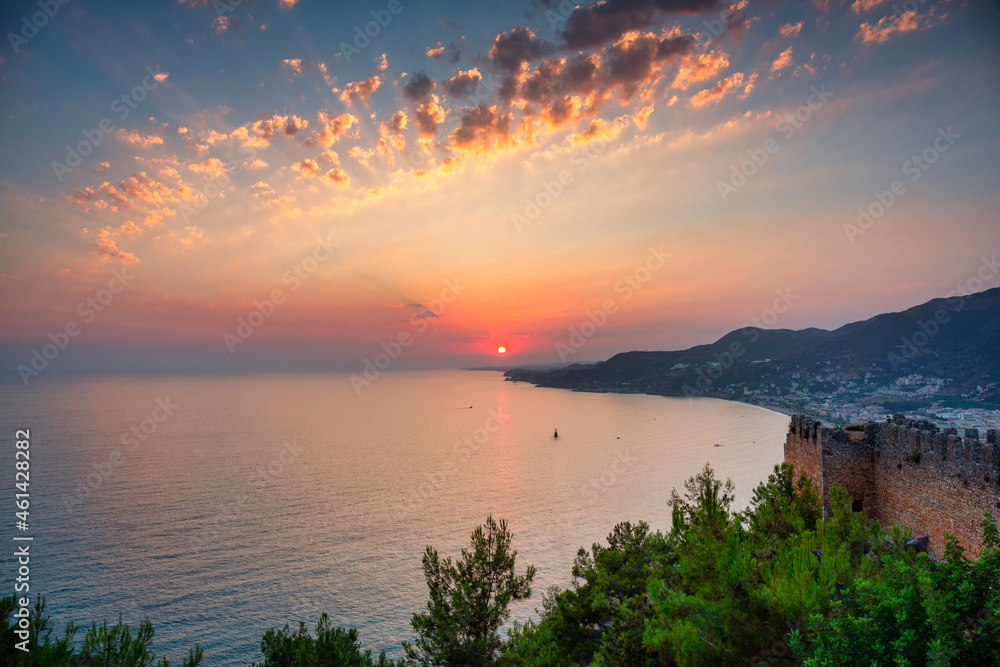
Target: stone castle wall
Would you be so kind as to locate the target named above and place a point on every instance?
(935, 482)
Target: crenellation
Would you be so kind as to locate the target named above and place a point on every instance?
(936, 481)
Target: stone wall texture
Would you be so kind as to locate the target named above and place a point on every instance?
(907, 472)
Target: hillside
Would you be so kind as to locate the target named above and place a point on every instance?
(945, 348)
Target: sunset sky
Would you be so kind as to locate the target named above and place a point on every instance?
(472, 175)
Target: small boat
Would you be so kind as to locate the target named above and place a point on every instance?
(556, 434)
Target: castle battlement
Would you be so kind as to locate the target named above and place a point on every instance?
(908, 471)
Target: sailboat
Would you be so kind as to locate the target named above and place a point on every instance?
(556, 434)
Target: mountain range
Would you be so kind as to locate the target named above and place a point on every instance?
(946, 351)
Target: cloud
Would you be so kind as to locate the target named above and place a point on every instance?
(633, 60)
(600, 129)
(791, 30)
(137, 138)
(607, 20)
(360, 91)
(483, 128)
(331, 129)
(462, 84)
(298, 67)
(418, 87)
(735, 21)
(102, 167)
(362, 155)
(451, 52)
(701, 68)
(107, 247)
(783, 61)
(643, 116)
(428, 116)
(714, 94)
(136, 189)
(337, 176)
(910, 21)
(260, 134)
(393, 132)
(307, 168)
(510, 50)
(212, 167)
(864, 5)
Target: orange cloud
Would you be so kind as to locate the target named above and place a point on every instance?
(463, 83)
(887, 26)
(337, 176)
(600, 129)
(360, 91)
(791, 29)
(331, 129)
(864, 5)
(428, 116)
(483, 128)
(213, 167)
(261, 133)
(700, 68)
(643, 116)
(308, 168)
(107, 247)
(783, 61)
(717, 92)
(137, 138)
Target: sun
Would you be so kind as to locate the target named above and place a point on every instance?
(502, 350)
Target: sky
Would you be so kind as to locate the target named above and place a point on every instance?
(303, 185)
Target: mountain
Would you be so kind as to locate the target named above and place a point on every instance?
(947, 348)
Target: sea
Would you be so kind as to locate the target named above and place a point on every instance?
(222, 506)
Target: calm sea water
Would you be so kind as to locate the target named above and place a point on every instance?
(244, 503)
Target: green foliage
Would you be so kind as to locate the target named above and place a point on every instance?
(916, 612)
(103, 645)
(330, 646)
(601, 619)
(469, 600)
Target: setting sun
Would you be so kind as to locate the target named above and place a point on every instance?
(502, 349)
